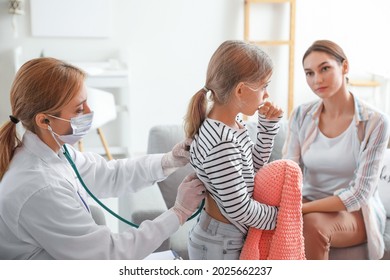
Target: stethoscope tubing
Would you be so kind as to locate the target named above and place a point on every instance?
(72, 164)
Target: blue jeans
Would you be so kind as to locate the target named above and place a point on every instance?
(210, 239)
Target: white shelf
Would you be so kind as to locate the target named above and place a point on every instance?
(112, 76)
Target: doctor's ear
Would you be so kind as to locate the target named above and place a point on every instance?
(42, 121)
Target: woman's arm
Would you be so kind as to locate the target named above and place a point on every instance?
(328, 204)
(54, 220)
(371, 154)
(116, 177)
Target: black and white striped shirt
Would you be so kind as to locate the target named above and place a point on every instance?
(226, 160)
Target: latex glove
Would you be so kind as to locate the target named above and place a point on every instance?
(189, 195)
(178, 157)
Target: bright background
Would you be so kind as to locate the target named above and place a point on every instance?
(166, 46)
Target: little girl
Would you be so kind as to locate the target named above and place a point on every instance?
(222, 153)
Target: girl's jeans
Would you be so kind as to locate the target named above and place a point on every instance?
(213, 240)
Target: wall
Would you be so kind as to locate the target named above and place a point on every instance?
(356, 25)
(167, 45)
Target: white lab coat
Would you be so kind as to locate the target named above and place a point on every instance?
(43, 217)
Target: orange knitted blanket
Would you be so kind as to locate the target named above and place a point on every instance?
(278, 184)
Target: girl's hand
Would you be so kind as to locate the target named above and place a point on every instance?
(270, 110)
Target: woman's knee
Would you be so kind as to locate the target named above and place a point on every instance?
(313, 224)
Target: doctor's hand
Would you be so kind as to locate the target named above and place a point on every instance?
(189, 195)
(178, 157)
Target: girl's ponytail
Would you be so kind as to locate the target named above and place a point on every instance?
(196, 113)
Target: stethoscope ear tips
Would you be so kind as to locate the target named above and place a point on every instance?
(47, 121)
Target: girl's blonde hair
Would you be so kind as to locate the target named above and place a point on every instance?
(42, 85)
(233, 62)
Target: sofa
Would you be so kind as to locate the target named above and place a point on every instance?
(150, 202)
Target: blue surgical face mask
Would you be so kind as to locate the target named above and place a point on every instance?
(80, 127)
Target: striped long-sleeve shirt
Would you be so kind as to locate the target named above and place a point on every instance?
(226, 160)
(372, 132)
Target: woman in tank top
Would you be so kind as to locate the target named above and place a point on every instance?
(339, 141)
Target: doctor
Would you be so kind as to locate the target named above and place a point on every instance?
(44, 212)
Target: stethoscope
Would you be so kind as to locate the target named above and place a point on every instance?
(72, 164)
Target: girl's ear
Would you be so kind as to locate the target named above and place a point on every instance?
(238, 91)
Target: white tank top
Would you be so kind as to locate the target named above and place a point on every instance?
(330, 163)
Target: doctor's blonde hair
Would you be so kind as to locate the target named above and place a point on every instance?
(42, 85)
